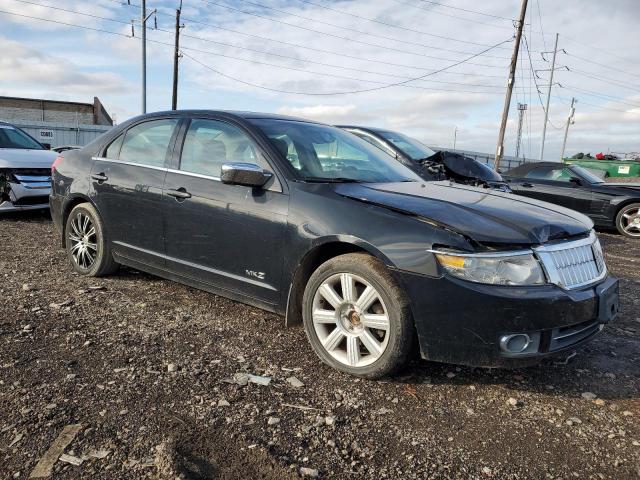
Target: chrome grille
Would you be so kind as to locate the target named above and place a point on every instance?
(573, 264)
(33, 178)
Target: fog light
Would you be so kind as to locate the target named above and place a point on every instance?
(520, 343)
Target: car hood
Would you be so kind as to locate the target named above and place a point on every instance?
(484, 215)
(21, 158)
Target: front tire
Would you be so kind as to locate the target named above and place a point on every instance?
(87, 247)
(357, 318)
(628, 220)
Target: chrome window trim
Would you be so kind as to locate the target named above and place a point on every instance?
(193, 174)
(133, 164)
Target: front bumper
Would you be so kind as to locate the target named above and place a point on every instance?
(29, 193)
(462, 322)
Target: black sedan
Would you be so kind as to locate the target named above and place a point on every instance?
(427, 163)
(609, 205)
(309, 221)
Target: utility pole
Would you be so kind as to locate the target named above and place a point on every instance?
(522, 107)
(512, 79)
(176, 57)
(143, 25)
(570, 121)
(546, 108)
(455, 137)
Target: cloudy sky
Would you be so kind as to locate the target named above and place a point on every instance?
(337, 61)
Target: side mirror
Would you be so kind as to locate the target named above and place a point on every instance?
(575, 180)
(247, 174)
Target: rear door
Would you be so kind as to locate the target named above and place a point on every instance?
(227, 236)
(127, 186)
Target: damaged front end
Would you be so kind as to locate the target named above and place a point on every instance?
(462, 169)
(24, 188)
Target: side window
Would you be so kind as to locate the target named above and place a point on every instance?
(375, 142)
(541, 173)
(148, 142)
(287, 149)
(113, 149)
(211, 143)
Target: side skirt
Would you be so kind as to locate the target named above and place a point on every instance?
(195, 283)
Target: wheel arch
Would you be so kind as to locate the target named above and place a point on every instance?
(316, 256)
(69, 205)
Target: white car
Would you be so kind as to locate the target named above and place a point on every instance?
(25, 171)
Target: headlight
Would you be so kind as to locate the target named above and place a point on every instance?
(517, 269)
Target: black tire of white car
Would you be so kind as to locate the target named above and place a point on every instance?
(620, 219)
(399, 340)
(92, 241)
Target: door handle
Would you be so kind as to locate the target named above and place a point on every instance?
(527, 185)
(100, 177)
(180, 194)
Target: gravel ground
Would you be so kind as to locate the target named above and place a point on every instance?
(153, 373)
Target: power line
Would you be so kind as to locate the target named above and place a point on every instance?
(602, 96)
(420, 8)
(604, 79)
(608, 67)
(469, 11)
(593, 47)
(59, 22)
(342, 28)
(526, 43)
(297, 59)
(384, 85)
(600, 107)
(397, 84)
(331, 52)
(544, 43)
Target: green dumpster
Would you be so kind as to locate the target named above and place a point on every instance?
(612, 168)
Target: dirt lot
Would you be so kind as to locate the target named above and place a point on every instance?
(148, 368)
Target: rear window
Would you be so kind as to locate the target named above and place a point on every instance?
(148, 142)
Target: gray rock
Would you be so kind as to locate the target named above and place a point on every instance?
(273, 421)
(294, 382)
(309, 472)
(589, 396)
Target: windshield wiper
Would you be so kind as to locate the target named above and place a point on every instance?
(331, 180)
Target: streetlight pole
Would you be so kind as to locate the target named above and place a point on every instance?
(143, 24)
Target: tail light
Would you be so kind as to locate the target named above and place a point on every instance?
(56, 163)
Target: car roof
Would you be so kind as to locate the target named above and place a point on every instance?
(230, 113)
(527, 167)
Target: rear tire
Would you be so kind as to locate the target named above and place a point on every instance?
(628, 220)
(87, 247)
(357, 318)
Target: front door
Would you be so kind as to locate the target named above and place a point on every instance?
(127, 186)
(228, 236)
(554, 185)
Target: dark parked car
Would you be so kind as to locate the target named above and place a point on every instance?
(311, 222)
(609, 205)
(427, 163)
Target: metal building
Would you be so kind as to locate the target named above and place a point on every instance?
(57, 123)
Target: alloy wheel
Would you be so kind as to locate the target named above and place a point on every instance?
(350, 320)
(84, 247)
(630, 222)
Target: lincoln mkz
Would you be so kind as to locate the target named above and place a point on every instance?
(313, 223)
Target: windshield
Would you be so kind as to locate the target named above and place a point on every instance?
(11, 137)
(320, 153)
(409, 146)
(586, 174)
